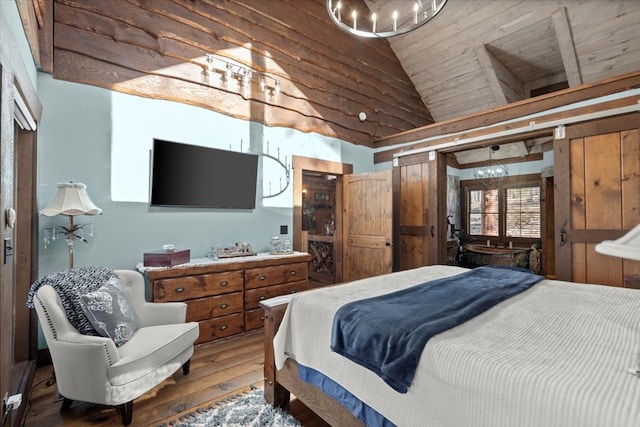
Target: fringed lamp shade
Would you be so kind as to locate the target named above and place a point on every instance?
(627, 246)
(71, 199)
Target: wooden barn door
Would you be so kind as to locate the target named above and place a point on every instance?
(367, 225)
(597, 197)
(420, 240)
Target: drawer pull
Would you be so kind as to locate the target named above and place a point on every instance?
(262, 277)
(292, 292)
(223, 327)
(262, 298)
(179, 290)
(293, 273)
(225, 283)
(263, 317)
(224, 305)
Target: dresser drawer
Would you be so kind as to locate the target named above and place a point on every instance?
(214, 306)
(190, 287)
(252, 297)
(267, 276)
(220, 327)
(254, 319)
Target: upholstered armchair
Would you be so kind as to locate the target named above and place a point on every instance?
(93, 369)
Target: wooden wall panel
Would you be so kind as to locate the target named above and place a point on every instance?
(157, 49)
(602, 184)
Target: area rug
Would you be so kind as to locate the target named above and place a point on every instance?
(243, 410)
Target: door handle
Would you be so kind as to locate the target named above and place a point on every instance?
(432, 229)
(563, 234)
(387, 243)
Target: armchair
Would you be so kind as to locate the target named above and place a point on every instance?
(93, 369)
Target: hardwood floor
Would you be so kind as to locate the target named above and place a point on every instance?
(218, 370)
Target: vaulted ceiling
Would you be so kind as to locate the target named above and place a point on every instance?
(474, 56)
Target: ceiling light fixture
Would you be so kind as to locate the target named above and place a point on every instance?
(224, 72)
(492, 175)
(388, 18)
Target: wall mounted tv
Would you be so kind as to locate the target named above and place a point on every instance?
(192, 176)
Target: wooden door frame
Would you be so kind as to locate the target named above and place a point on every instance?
(17, 366)
(301, 164)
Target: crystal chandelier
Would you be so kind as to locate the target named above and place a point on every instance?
(382, 18)
(492, 175)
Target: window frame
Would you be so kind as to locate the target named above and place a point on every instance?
(518, 181)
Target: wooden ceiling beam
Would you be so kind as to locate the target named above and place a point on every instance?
(567, 50)
(387, 155)
(487, 63)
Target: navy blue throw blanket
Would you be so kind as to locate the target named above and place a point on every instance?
(388, 333)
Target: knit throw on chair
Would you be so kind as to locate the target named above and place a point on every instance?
(70, 284)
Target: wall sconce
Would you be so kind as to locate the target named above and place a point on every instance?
(71, 199)
(226, 71)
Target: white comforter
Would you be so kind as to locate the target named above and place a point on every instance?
(557, 354)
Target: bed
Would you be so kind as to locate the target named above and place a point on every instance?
(556, 354)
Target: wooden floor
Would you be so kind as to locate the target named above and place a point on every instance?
(218, 370)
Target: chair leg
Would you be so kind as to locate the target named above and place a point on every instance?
(66, 404)
(186, 367)
(126, 410)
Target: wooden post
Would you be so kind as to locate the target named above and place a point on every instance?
(274, 393)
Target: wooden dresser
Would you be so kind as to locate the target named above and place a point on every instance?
(223, 296)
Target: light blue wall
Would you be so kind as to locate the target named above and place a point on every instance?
(103, 139)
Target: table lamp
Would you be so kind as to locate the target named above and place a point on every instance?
(71, 200)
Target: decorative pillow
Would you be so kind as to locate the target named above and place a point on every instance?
(111, 313)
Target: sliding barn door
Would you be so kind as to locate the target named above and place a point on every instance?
(597, 197)
(419, 219)
(367, 225)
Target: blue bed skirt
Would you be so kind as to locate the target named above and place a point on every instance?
(369, 416)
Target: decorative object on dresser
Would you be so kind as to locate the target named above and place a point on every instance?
(223, 295)
(280, 247)
(71, 200)
(235, 250)
(167, 257)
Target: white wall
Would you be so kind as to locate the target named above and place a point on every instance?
(103, 139)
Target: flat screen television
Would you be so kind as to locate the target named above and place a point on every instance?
(186, 175)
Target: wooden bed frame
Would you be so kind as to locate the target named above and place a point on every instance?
(280, 384)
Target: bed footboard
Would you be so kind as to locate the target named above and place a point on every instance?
(274, 393)
(278, 385)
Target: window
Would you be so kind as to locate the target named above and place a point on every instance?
(505, 212)
(523, 212)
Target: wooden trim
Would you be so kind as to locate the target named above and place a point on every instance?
(562, 208)
(382, 156)
(595, 236)
(438, 209)
(514, 110)
(606, 125)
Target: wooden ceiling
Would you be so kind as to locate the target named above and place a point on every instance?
(474, 56)
(477, 55)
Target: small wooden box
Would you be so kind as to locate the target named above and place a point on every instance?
(164, 258)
